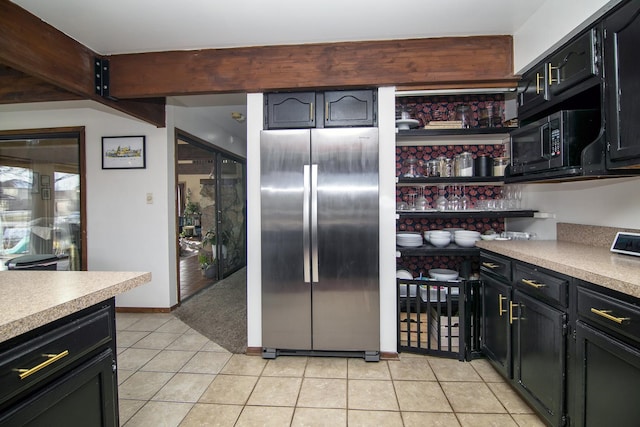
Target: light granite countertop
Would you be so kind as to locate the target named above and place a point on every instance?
(29, 299)
(590, 263)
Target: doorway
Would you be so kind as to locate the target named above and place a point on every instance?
(210, 211)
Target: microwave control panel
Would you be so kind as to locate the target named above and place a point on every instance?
(555, 142)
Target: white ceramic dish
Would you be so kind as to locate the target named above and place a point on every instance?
(488, 236)
(465, 242)
(440, 242)
(404, 274)
(443, 274)
(407, 124)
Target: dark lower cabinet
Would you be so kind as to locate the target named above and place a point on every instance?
(608, 380)
(495, 337)
(83, 398)
(539, 355)
(62, 374)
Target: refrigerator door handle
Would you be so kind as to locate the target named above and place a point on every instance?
(306, 239)
(314, 223)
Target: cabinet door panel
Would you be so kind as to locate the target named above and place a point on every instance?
(532, 88)
(608, 377)
(290, 110)
(573, 64)
(539, 355)
(349, 108)
(622, 35)
(496, 332)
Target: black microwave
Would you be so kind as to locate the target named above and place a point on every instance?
(554, 144)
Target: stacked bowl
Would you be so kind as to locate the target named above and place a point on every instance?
(466, 238)
(409, 239)
(438, 238)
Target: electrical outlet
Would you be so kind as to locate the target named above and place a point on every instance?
(149, 198)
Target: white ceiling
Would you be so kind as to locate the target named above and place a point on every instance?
(126, 26)
(134, 26)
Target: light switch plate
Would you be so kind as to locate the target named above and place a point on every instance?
(626, 243)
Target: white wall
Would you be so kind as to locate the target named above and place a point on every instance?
(550, 24)
(124, 232)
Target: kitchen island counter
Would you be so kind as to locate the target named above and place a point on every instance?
(590, 263)
(30, 299)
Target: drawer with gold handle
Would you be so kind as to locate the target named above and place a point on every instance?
(533, 283)
(47, 355)
(541, 283)
(50, 359)
(610, 313)
(607, 315)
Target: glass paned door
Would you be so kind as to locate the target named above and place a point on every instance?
(40, 202)
(231, 215)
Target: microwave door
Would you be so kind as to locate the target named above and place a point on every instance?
(528, 149)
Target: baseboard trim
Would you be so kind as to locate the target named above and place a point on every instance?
(254, 351)
(144, 309)
(389, 355)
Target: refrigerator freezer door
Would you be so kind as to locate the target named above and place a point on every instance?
(286, 298)
(346, 307)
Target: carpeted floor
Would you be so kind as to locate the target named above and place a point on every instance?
(219, 312)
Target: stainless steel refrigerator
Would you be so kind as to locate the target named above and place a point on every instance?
(320, 282)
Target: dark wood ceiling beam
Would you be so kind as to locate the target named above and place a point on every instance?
(16, 87)
(436, 62)
(32, 46)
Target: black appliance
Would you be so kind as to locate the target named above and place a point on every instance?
(553, 146)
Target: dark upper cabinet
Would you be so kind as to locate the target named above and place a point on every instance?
(547, 85)
(532, 89)
(290, 110)
(349, 108)
(575, 63)
(622, 86)
(300, 110)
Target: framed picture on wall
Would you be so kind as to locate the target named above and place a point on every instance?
(45, 181)
(123, 152)
(46, 193)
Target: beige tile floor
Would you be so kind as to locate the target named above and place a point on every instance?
(170, 375)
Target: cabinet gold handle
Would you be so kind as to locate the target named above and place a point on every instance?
(51, 358)
(500, 309)
(511, 318)
(326, 111)
(311, 111)
(551, 68)
(606, 315)
(538, 78)
(490, 265)
(533, 283)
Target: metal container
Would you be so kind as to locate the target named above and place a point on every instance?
(483, 165)
(499, 165)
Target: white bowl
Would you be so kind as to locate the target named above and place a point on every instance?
(489, 236)
(404, 274)
(466, 242)
(467, 233)
(443, 274)
(452, 230)
(440, 242)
